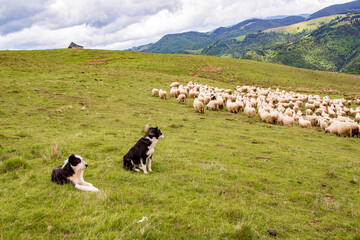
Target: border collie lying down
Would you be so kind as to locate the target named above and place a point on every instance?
(142, 151)
(72, 171)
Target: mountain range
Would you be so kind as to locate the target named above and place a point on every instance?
(325, 40)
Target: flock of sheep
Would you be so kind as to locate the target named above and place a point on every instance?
(273, 106)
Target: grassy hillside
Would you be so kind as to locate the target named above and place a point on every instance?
(216, 175)
(307, 26)
(332, 47)
(180, 42)
(251, 42)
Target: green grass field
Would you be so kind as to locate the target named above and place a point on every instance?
(305, 26)
(215, 175)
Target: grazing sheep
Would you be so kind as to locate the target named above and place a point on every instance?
(207, 99)
(220, 102)
(273, 116)
(274, 106)
(352, 112)
(354, 129)
(324, 123)
(312, 119)
(264, 116)
(240, 104)
(250, 111)
(304, 123)
(213, 105)
(331, 112)
(201, 99)
(199, 106)
(339, 128)
(155, 92)
(193, 93)
(182, 98)
(357, 117)
(163, 94)
(174, 84)
(310, 106)
(288, 121)
(232, 107)
(183, 91)
(174, 92)
(308, 112)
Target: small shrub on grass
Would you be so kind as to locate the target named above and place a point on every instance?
(13, 164)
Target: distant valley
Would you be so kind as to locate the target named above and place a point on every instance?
(326, 40)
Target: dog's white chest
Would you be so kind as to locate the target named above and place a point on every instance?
(152, 146)
(77, 178)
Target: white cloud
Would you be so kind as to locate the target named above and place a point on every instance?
(113, 24)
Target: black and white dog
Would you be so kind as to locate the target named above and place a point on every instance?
(142, 151)
(72, 171)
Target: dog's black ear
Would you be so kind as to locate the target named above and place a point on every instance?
(73, 160)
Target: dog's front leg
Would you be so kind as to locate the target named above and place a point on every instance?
(143, 166)
(149, 163)
(86, 183)
(86, 188)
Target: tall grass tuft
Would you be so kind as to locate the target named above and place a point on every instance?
(52, 153)
(244, 232)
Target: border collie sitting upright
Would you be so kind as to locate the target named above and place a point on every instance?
(72, 171)
(142, 151)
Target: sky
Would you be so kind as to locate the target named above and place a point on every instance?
(122, 24)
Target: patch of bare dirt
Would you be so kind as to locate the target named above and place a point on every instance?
(263, 159)
(210, 69)
(332, 91)
(207, 69)
(328, 198)
(315, 222)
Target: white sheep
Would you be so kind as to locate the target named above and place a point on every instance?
(155, 92)
(182, 98)
(287, 120)
(340, 128)
(220, 101)
(324, 123)
(250, 111)
(174, 84)
(232, 107)
(304, 123)
(199, 106)
(163, 94)
(183, 91)
(193, 93)
(174, 92)
(213, 105)
(357, 117)
(310, 106)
